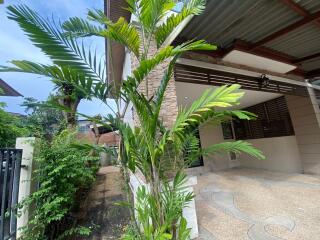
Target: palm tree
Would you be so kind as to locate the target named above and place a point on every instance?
(150, 146)
(71, 61)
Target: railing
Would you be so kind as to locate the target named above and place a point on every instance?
(10, 163)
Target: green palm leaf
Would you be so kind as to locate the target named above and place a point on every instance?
(61, 50)
(147, 65)
(236, 147)
(225, 96)
(63, 75)
(78, 27)
(191, 7)
(150, 12)
(121, 31)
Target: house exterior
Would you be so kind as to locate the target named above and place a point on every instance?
(270, 48)
(86, 134)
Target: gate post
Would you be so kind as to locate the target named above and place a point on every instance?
(27, 186)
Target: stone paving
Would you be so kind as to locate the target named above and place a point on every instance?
(258, 205)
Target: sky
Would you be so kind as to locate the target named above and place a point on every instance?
(14, 45)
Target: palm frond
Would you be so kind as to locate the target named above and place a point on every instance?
(121, 31)
(59, 74)
(150, 12)
(160, 93)
(235, 147)
(225, 96)
(63, 75)
(218, 117)
(147, 65)
(190, 148)
(49, 38)
(191, 7)
(78, 27)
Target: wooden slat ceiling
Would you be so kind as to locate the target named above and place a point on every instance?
(197, 75)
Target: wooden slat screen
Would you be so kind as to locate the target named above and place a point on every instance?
(273, 121)
(198, 75)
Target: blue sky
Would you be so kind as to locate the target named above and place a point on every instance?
(15, 46)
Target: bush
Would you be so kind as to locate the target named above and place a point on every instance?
(10, 128)
(64, 175)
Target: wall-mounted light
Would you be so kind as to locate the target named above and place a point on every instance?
(264, 81)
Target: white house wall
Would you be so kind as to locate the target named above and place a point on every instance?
(282, 154)
(128, 118)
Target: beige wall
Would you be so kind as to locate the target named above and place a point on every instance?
(211, 134)
(304, 113)
(281, 153)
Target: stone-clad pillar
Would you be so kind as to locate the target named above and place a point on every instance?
(169, 108)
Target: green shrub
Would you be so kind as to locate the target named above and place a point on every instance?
(10, 128)
(64, 175)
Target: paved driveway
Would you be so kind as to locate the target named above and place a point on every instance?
(258, 205)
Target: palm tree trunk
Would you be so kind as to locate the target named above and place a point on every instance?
(126, 176)
(156, 193)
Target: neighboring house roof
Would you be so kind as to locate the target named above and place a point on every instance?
(19, 115)
(7, 90)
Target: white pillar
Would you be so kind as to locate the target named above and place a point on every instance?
(26, 185)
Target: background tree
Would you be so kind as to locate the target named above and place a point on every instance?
(42, 121)
(72, 62)
(11, 127)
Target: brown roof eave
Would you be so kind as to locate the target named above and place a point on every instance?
(114, 10)
(8, 90)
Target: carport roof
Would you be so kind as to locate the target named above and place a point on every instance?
(283, 30)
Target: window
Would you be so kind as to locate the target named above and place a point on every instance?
(84, 128)
(273, 120)
(227, 130)
(197, 162)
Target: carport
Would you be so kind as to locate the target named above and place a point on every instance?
(272, 49)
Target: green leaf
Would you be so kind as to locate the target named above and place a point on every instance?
(197, 113)
(121, 31)
(236, 147)
(191, 7)
(49, 38)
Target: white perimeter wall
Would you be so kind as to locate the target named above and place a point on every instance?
(281, 153)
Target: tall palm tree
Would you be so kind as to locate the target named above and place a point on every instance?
(151, 147)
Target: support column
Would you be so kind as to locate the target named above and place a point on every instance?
(169, 108)
(305, 116)
(26, 185)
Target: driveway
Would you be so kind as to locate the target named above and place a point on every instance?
(258, 205)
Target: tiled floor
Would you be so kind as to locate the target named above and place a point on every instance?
(259, 205)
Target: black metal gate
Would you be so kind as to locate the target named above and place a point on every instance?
(10, 163)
